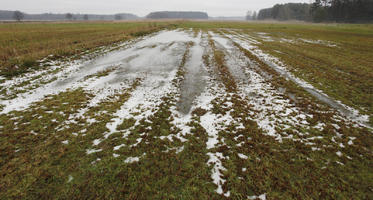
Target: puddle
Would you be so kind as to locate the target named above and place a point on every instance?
(235, 69)
(193, 84)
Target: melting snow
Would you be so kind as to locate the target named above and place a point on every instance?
(216, 171)
(277, 65)
(261, 197)
(91, 151)
(242, 156)
(71, 178)
(132, 159)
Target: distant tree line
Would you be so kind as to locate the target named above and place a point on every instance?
(321, 11)
(342, 10)
(289, 11)
(19, 16)
(251, 15)
(177, 15)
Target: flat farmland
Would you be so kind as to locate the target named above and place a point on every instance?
(186, 110)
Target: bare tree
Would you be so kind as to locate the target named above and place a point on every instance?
(86, 17)
(69, 16)
(18, 15)
(255, 15)
(249, 15)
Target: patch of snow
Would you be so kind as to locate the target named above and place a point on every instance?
(261, 33)
(166, 37)
(322, 42)
(320, 126)
(216, 171)
(287, 40)
(315, 149)
(264, 36)
(116, 148)
(96, 161)
(351, 139)
(132, 159)
(336, 126)
(179, 150)
(242, 156)
(339, 163)
(222, 41)
(208, 123)
(181, 121)
(91, 151)
(71, 178)
(261, 197)
(96, 142)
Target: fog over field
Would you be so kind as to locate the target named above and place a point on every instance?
(142, 7)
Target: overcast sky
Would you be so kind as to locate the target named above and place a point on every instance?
(141, 7)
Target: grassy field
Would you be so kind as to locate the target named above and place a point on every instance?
(195, 111)
(343, 69)
(24, 44)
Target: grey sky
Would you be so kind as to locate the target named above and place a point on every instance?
(141, 7)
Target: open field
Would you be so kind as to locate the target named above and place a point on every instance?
(188, 110)
(25, 44)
